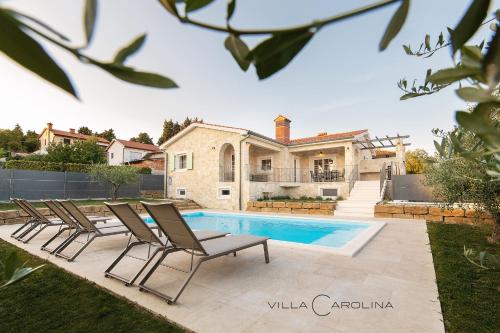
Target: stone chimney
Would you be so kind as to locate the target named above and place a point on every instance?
(49, 126)
(282, 126)
(323, 134)
(72, 130)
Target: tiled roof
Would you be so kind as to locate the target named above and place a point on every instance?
(328, 137)
(139, 145)
(78, 136)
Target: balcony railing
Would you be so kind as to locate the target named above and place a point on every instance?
(296, 175)
(226, 173)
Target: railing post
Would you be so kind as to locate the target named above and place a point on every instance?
(11, 183)
(64, 185)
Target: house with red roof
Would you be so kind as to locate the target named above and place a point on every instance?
(225, 167)
(51, 135)
(127, 152)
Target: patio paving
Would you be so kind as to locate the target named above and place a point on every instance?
(235, 294)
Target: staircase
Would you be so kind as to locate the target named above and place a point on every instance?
(185, 204)
(364, 195)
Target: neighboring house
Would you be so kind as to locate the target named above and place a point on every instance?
(51, 135)
(155, 161)
(224, 167)
(123, 151)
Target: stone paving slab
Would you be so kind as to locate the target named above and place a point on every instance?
(235, 294)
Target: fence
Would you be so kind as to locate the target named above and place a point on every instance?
(39, 185)
(410, 187)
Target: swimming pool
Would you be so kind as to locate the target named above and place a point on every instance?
(348, 236)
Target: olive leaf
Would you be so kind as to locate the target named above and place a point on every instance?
(129, 74)
(239, 50)
(395, 24)
(130, 49)
(27, 52)
(192, 5)
(89, 17)
(276, 52)
(469, 23)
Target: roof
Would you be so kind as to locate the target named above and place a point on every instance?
(77, 136)
(328, 137)
(138, 145)
(313, 139)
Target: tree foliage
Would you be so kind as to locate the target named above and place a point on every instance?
(116, 175)
(142, 137)
(18, 40)
(15, 140)
(416, 161)
(171, 128)
(85, 152)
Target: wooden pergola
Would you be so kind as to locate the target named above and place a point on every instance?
(384, 142)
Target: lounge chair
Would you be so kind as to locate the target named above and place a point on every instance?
(144, 236)
(182, 238)
(88, 228)
(71, 225)
(36, 219)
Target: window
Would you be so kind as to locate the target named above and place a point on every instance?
(266, 164)
(224, 192)
(181, 161)
(134, 156)
(329, 192)
(325, 164)
(67, 141)
(111, 155)
(180, 192)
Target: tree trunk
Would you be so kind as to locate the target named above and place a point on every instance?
(495, 235)
(114, 188)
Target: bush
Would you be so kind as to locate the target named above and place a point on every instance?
(144, 170)
(46, 166)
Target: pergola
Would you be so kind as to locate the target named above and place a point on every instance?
(384, 142)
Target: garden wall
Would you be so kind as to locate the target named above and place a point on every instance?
(430, 213)
(16, 216)
(292, 207)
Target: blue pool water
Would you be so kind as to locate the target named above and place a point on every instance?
(306, 231)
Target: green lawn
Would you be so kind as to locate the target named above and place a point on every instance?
(10, 205)
(52, 300)
(469, 295)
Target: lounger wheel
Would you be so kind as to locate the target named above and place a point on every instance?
(169, 302)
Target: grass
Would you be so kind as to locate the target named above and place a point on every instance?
(10, 205)
(469, 295)
(53, 300)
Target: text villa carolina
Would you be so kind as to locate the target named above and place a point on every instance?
(324, 305)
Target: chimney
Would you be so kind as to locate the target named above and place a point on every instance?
(72, 130)
(49, 126)
(282, 126)
(323, 134)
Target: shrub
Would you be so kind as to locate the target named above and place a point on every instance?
(33, 165)
(46, 166)
(281, 197)
(144, 170)
(116, 175)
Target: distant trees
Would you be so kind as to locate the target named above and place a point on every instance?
(107, 134)
(417, 160)
(142, 137)
(14, 140)
(171, 128)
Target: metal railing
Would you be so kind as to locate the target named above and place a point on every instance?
(298, 175)
(226, 173)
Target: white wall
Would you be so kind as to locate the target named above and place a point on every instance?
(115, 150)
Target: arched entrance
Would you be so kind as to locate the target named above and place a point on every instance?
(227, 163)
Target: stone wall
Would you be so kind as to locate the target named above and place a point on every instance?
(292, 207)
(431, 213)
(16, 216)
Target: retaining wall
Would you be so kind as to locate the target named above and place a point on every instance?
(292, 207)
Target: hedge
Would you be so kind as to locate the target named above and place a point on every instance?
(145, 170)
(46, 166)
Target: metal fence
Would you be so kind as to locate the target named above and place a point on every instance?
(411, 188)
(39, 185)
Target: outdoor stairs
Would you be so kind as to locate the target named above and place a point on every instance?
(364, 195)
(186, 204)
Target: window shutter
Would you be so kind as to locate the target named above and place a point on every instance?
(189, 161)
(171, 162)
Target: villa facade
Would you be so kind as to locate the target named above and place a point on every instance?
(224, 167)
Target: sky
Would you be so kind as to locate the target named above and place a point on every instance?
(339, 82)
